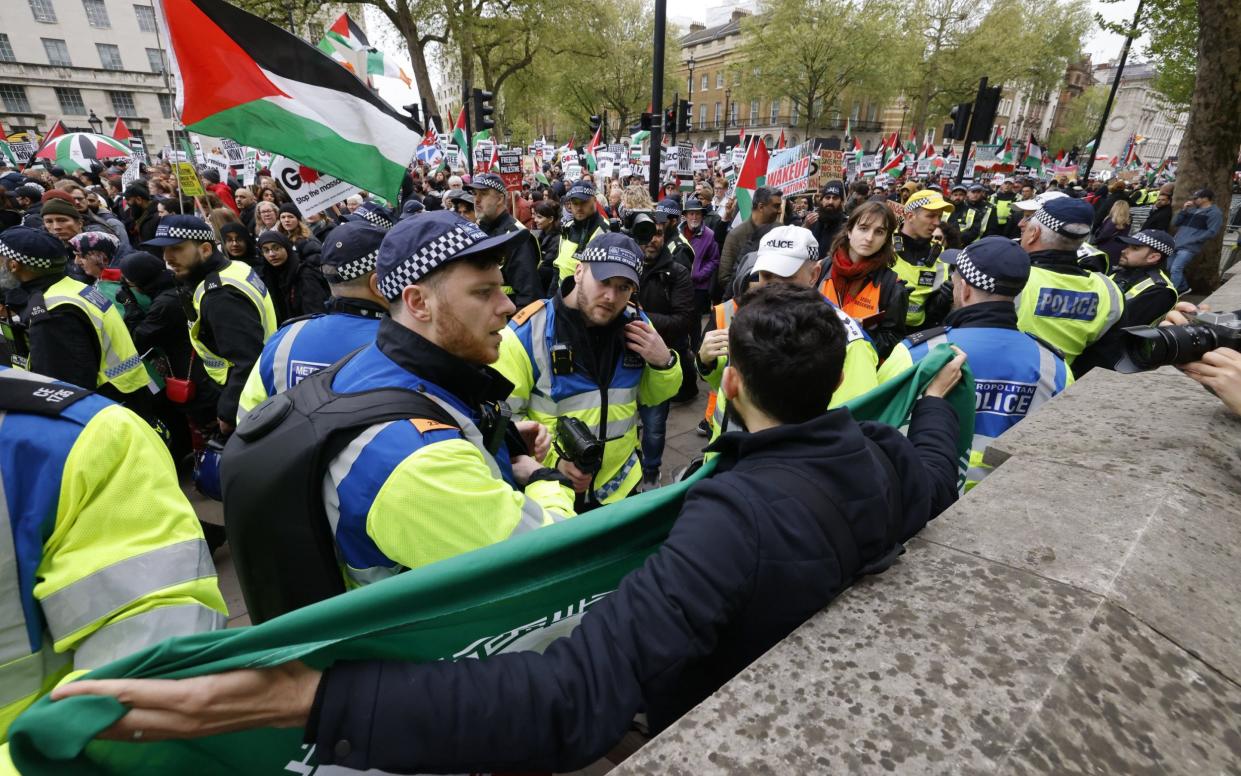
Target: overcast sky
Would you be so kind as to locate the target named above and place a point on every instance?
(1101, 45)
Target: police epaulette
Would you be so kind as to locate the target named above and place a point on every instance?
(1055, 350)
(918, 337)
(38, 396)
(212, 282)
(524, 313)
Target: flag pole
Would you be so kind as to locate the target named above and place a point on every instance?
(161, 24)
(1111, 95)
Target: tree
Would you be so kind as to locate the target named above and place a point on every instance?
(1080, 120)
(785, 52)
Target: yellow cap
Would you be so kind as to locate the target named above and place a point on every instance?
(929, 199)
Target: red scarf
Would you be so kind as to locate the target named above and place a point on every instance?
(845, 269)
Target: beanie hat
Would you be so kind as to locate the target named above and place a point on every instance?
(272, 236)
(59, 207)
(142, 269)
(289, 207)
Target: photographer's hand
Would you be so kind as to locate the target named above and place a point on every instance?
(1177, 315)
(1219, 371)
(580, 479)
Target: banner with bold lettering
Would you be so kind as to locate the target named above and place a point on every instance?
(789, 170)
(311, 190)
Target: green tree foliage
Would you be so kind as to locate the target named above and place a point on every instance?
(1081, 120)
(1171, 45)
(813, 51)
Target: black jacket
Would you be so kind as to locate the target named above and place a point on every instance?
(297, 288)
(1159, 218)
(145, 222)
(667, 297)
(521, 268)
(825, 228)
(1143, 310)
(309, 251)
(63, 343)
(757, 549)
(889, 330)
(549, 250)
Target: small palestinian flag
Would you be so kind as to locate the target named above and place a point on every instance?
(348, 34)
(895, 167)
(752, 175)
(243, 78)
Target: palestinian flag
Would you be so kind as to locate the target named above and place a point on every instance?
(120, 131)
(894, 168)
(1006, 155)
(347, 33)
(638, 138)
(753, 174)
(781, 142)
(243, 78)
(589, 150)
(459, 138)
(1034, 155)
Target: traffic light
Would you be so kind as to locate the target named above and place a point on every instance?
(685, 109)
(595, 122)
(960, 115)
(646, 122)
(985, 106)
(415, 120)
(483, 110)
(670, 120)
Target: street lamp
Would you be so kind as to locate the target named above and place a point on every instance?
(727, 94)
(690, 64)
(96, 123)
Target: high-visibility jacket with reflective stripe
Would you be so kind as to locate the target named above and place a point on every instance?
(119, 361)
(859, 372)
(567, 260)
(1147, 283)
(301, 348)
(242, 277)
(100, 552)
(1014, 374)
(922, 280)
(1003, 207)
(538, 394)
(1069, 311)
(410, 492)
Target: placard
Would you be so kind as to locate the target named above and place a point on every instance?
(23, 151)
(831, 166)
(700, 160)
(188, 180)
(311, 190)
(250, 168)
(139, 147)
(789, 170)
(572, 171)
(510, 168)
(132, 173)
(234, 152)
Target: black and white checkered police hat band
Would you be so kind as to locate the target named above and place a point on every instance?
(618, 255)
(374, 217)
(37, 262)
(918, 202)
(357, 267)
(1061, 227)
(185, 233)
(972, 274)
(1151, 241)
(428, 258)
(488, 182)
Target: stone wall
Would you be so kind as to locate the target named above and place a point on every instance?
(1078, 612)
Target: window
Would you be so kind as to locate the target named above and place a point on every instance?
(794, 115)
(123, 103)
(14, 98)
(856, 113)
(753, 111)
(6, 49)
(732, 115)
(165, 105)
(872, 112)
(155, 58)
(57, 51)
(719, 80)
(717, 114)
(96, 13)
(110, 56)
(146, 17)
(775, 111)
(704, 81)
(70, 101)
(43, 11)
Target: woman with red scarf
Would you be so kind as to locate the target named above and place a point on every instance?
(857, 275)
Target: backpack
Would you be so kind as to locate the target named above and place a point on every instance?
(272, 479)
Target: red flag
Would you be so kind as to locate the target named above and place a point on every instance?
(780, 143)
(120, 131)
(594, 141)
(56, 131)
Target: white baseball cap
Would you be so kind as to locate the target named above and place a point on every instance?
(785, 250)
(1031, 205)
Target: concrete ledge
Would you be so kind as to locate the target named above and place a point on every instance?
(1078, 612)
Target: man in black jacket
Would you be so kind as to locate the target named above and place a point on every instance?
(667, 297)
(829, 218)
(521, 268)
(800, 505)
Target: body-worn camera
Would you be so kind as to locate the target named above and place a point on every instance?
(638, 224)
(575, 442)
(1150, 347)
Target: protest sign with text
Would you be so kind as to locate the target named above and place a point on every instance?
(311, 190)
(789, 170)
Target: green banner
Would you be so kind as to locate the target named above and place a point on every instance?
(518, 594)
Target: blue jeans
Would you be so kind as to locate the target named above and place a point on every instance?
(1177, 265)
(654, 426)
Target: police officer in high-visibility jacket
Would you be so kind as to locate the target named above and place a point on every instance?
(65, 329)
(100, 552)
(404, 494)
(1063, 304)
(588, 353)
(1002, 222)
(789, 254)
(231, 314)
(583, 227)
(978, 214)
(305, 345)
(1014, 372)
(917, 257)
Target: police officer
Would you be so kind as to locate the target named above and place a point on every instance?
(668, 216)
(91, 501)
(917, 257)
(584, 226)
(521, 269)
(65, 329)
(375, 214)
(977, 216)
(1063, 304)
(1002, 223)
(305, 345)
(405, 494)
(231, 312)
(1014, 372)
(789, 254)
(588, 353)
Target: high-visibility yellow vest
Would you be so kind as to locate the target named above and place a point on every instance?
(1070, 312)
(1147, 283)
(119, 361)
(567, 259)
(922, 281)
(245, 279)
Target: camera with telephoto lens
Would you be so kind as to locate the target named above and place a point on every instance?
(575, 442)
(638, 224)
(1150, 347)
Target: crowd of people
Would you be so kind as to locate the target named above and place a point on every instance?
(523, 349)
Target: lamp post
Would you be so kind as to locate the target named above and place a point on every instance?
(728, 93)
(96, 124)
(690, 64)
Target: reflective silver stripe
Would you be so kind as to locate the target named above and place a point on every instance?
(14, 640)
(618, 428)
(131, 634)
(939, 339)
(582, 401)
(113, 365)
(246, 289)
(534, 516)
(280, 361)
(111, 589)
(370, 576)
(1046, 387)
(340, 467)
(25, 676)
(542, 359)
(612, 485)
(1118, 305)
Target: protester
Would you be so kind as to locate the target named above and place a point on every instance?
(1114, 226)
(211, 181)
(1160, 218)
(290, 224)
(143, 212)
(297, 287)
(706, 256)
(827, 220)
(547, 231)
(1198, 222)
(244, 198)
(266, 216)
(238, 243)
